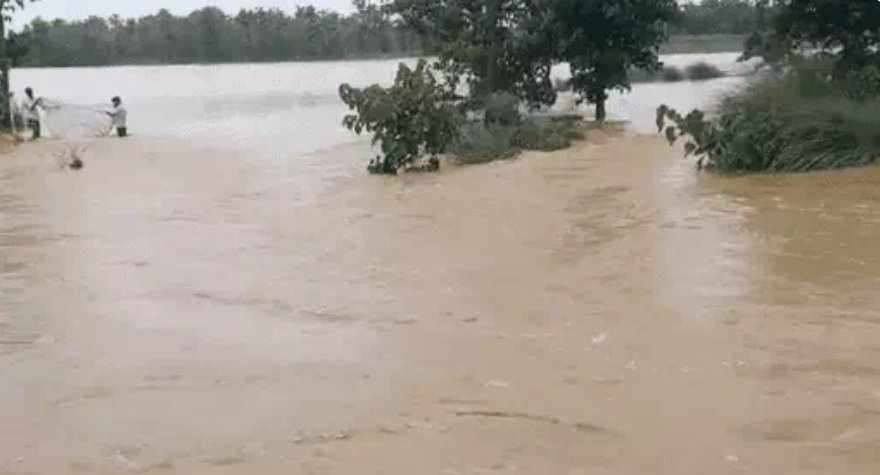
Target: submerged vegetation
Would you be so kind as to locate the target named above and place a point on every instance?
(702, 71)
(495, 59)
(816, 112)
(481, 144)
(796, 122)
(699, 71)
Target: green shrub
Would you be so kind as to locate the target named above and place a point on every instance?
(798, 122)
(702, 71)
(413, 118)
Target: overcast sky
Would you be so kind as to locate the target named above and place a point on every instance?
(70, 9)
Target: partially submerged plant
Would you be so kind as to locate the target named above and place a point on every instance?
(701, 71)
(779, 126)
(671, 74)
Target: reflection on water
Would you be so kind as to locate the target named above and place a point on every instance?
(191, 307)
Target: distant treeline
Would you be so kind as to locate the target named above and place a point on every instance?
(262, 35)
(716, 17)
(211, 36)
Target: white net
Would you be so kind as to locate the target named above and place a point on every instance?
(74, 121)
(76, 126)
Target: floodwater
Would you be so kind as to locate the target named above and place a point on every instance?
(234, 295)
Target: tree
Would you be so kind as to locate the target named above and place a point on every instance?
(848, 28)
(603, 39)
(7, 8)
(494, 45)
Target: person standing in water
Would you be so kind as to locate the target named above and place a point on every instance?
(119, 115)
(31, 112)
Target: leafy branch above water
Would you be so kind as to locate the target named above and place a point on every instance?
(413, 118)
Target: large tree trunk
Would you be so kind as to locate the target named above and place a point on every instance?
(2, 31)
(761, 6)
(493, 11)
(600, 107)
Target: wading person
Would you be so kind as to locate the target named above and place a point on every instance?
(119, 117)
(30, 110)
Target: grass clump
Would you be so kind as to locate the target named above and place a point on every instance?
(797, 122)
(702, 71)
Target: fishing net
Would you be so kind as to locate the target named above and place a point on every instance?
(76, 126)
(74, 122)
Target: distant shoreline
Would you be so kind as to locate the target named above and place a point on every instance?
(682, 44)
(704, 44)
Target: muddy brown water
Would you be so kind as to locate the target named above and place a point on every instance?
(603, 310)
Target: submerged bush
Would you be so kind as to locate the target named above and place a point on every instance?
(413, 118)
(545, 137)
(671, 74)
(481, 144)
(694, 72)
(501, 108)
(798, 122)
(702, 71)
(641, 76)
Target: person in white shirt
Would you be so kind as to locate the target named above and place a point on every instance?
(119, 116)
(31, 111)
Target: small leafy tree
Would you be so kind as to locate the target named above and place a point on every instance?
(603, 39)
(413, 118)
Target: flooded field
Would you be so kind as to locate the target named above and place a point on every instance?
(195, 306)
